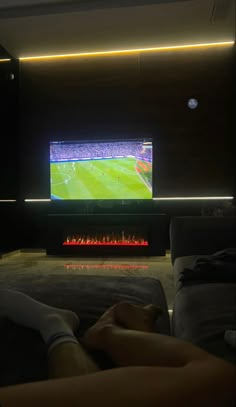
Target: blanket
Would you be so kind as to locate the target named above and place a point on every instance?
(219, 267)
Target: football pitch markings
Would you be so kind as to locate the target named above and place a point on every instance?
(98, 179)
(66, 179)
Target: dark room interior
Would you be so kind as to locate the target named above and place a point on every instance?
(117, 169)
(116, 96)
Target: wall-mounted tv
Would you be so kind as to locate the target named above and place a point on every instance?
(101, 169)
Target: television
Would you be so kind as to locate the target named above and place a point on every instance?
(106, 169)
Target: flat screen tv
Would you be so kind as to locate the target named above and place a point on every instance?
(101, 169)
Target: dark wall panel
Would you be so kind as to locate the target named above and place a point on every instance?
(9, 130)
(134, 95)
(196, 154)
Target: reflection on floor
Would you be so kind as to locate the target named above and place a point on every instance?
(99, 267)
(37, 265)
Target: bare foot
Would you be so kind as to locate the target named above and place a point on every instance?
(125, 315)
(94, 336)
(136, 317)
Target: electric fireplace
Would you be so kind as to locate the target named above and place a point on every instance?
(106, 238)
(107, 234)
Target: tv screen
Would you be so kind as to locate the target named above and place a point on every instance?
(101, 169)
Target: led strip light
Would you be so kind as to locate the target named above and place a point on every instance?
(206, 198)
(129, 51)
(194, 198)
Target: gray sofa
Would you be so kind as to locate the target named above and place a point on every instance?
(203, 310)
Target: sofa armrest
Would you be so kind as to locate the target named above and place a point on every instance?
(191, 235)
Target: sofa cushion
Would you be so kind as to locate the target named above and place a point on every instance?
(202, 313)
(220, 267)
(180, 264)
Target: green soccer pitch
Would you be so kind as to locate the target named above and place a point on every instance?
(116, 178)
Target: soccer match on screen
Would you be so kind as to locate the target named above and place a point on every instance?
(101, 170)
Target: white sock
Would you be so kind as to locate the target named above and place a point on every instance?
(55, 331)
(54, 324)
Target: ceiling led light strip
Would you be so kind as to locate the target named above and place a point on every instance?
(37, 200)
(7, 200)
(207, 198)
(130, 51)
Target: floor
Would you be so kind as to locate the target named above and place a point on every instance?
(14, 266)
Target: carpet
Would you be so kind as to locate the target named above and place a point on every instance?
(36, 268)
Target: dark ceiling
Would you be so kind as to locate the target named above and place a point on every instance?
(23, 8)
(44, 27)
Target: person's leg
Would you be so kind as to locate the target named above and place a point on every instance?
(66, 358)
(201, 383)
(69, 357)
(69, 360)
(136, 345)
(207, 382)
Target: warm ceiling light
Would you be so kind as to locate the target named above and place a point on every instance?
(130, 51)
(5, 60)
(194, 198)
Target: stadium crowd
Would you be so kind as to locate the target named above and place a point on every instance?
(78, 151)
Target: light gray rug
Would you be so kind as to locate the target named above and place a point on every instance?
(22, 267)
